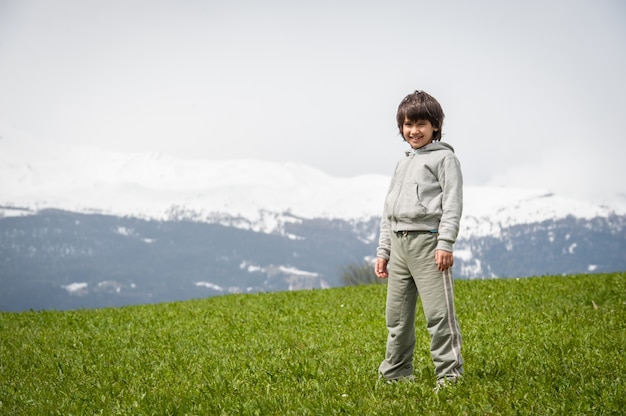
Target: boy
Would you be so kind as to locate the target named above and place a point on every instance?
(419, 226)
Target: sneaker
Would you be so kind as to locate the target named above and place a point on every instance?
(403, 379)
(445, 382)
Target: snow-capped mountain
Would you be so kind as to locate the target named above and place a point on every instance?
(249, 194)
(157, 186)
(84, 227)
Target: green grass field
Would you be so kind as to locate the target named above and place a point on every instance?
(533, 346)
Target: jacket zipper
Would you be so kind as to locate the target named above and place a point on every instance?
(400, 189)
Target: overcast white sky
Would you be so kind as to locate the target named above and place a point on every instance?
(534, 91)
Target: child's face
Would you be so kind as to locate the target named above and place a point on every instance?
(418, 133)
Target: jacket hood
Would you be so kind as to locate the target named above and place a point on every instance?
(431, 147)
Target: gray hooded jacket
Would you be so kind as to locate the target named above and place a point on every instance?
(426, 194)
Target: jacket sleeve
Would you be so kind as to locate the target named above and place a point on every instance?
(384, 239)
(451, 180)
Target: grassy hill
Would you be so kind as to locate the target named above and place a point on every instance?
(543, 345)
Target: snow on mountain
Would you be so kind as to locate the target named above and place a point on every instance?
(249, 194)
(158, 186)
(487, 210)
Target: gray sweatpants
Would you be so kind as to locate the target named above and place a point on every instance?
(412, 273)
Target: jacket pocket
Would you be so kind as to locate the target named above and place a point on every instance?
(408, 204)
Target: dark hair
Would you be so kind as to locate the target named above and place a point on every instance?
(421, 106)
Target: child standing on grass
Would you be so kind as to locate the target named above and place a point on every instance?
(419, 226)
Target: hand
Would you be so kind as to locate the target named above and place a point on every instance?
(381, 268)
(444, 260)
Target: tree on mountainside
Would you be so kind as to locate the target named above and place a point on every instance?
(354, 275)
